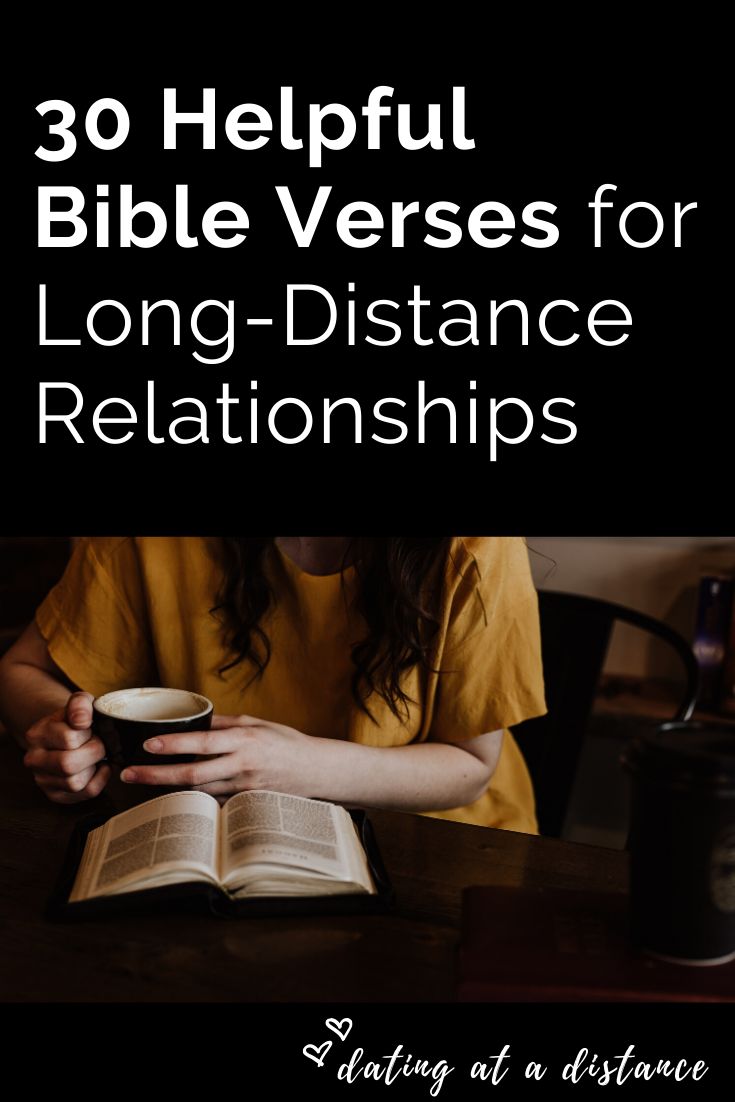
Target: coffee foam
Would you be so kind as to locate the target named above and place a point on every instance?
(152, 705)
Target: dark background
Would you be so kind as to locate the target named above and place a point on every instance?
(233, 1050)
(653, 415)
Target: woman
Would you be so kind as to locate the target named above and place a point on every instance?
(379, 672)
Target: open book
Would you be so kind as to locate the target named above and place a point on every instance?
(259, 844)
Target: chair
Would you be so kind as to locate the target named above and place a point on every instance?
(575, 634)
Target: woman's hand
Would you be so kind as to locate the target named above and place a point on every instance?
(243, 753)
(64, 755)
(240, 753)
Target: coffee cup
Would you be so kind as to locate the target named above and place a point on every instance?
(125, 718)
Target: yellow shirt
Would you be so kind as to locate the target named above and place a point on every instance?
(134, 611)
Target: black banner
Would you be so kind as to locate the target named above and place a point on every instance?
(487, 365)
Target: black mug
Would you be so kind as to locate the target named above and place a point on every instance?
(682, 842)
(125, 718)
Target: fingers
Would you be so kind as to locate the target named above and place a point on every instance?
(222, 741)
(218, 722)
(188, 775)
(79, 710)
(68, 728)
(98, 782)
(55, 734)
(64, 755)
(65, 763)
(52, 782)
(92, 782)
(219, 788)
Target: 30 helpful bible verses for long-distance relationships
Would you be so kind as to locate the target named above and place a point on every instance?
(215, 333)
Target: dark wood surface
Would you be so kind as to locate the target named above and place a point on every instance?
(408, 955)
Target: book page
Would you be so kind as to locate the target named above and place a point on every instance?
(293, 833)
(171, 839)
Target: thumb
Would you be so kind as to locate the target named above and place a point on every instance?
(79, 710)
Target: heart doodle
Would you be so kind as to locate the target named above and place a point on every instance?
(317, 1052)
(341, 1028)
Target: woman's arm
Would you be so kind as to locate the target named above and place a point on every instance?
(31, 684)
(421, 777)
(247, 753)
(51, 722)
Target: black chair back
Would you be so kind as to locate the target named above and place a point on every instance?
(575, 634)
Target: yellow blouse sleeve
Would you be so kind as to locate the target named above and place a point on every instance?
(95, 620)
(492, 675)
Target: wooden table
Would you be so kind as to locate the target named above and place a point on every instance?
(407, 955)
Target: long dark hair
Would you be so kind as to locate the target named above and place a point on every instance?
(398, 592)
